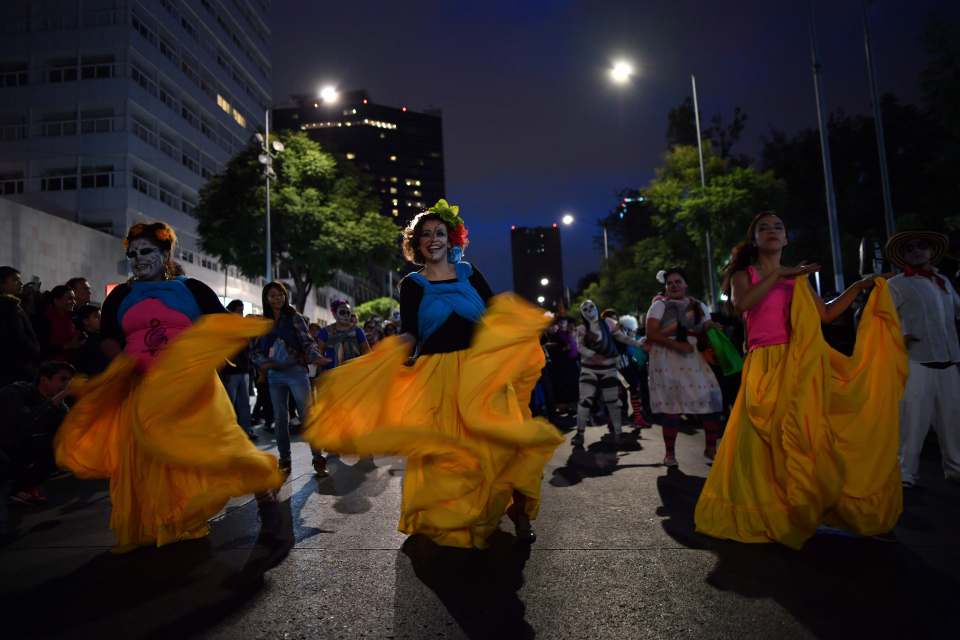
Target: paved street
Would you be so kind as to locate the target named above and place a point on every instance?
(616, 558)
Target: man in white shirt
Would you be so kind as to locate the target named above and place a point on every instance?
(928, 306)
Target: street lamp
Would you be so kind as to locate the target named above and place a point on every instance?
(329, 94)
(544, 281)
(567, 219)
(268, 152)
(541, 299)
(621, 72)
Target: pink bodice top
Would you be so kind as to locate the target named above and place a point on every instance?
(768, 322)
(149, 326)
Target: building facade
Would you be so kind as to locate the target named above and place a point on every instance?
(538, 265)
(114, 112)
(399, 149)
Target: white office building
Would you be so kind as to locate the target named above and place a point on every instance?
(114, 112)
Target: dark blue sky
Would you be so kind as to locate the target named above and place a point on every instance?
(532, 126)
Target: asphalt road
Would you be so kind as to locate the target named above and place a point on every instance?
(617, 557)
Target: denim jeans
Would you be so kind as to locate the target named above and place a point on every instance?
(236, 385)
(281, 388)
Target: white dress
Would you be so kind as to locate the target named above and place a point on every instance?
(680, 383)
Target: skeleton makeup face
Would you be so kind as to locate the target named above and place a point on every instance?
(147, 260)
(589, 311)
(344, 314)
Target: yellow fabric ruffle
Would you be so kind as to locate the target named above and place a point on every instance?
(167, 439)
(461, 419)
(813, 436)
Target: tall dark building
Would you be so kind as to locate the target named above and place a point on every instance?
(537, 264)
(399, 149)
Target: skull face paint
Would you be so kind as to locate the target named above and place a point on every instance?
(344, 314)
(589, 311)
(147, 260)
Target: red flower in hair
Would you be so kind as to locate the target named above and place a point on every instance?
(458, 237)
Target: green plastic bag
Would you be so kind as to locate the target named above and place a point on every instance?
(728, 357)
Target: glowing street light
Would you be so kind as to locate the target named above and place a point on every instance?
(541, 299)
(567, 219)
(621, 72)
(544, 281)
(329, 94)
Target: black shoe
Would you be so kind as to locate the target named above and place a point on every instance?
(285, 466)
(577, 440)
(320, 467)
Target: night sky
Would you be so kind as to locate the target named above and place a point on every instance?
(532, 125)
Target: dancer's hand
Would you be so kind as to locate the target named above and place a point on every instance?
(682, 347)
(801, 269)
(866, 284)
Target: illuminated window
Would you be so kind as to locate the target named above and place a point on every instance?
(351, 156)
(239, 118)
(393, 178)
(393, 189)
(417, 193)
(222, 102)
(393, 158)
(395, 202)
(395, 212)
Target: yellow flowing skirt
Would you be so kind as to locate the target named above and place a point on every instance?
(167, 438)
(813, 435)
(461, 419)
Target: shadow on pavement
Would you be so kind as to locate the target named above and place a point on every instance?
(173, 591)
(353, 484)
(836, 586)
(477, 588)
(598, 459)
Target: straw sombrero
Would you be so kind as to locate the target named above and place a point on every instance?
(894, 250)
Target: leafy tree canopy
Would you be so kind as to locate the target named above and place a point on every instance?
(324, 218)
(381, 307)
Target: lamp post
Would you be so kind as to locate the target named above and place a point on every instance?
(620, 73)
(268, 152)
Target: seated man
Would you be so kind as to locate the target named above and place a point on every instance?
(30, 414)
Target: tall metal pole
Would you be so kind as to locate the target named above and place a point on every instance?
(266, 146)
(711, 267)
(606, 251)
(827, 167)
(888, 218)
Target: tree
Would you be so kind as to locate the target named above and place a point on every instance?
(680, 211)
(323, 217)
(682, 130)
(380, 307)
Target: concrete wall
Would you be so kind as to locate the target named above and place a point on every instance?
(53, 250)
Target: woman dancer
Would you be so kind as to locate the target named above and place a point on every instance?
(158, 422)
(681, 382)
(813, 434)
(459, 409)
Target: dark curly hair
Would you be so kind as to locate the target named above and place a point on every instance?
(411, 237)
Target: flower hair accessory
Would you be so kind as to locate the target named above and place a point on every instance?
(450, 214)
(662, 276)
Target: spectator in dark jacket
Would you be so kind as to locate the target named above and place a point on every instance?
(30, 414)
(236, 379)
(59, 337)
(90, 359)
(18, 342)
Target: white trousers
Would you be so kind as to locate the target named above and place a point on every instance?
(932, 397)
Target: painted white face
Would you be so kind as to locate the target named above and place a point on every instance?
(434, 241)
(589, 311)
(344, 314)
(147, 260)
